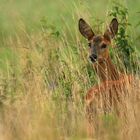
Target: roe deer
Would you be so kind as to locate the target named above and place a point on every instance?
(106, 95)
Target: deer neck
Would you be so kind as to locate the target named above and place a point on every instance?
(107, 71)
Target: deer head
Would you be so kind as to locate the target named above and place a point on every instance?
(98, 44)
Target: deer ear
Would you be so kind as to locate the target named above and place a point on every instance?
(85, 29)
(112, 29)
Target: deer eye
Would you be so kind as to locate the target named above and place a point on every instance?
(103, 46)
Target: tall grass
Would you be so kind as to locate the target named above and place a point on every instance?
(44, 77)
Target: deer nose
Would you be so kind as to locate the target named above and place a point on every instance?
(93, 57)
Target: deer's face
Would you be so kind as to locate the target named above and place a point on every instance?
(98, 44)
(98, 47)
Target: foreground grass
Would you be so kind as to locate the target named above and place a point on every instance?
(44, 76)
(43, 89)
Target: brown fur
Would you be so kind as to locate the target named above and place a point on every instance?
(107, 94)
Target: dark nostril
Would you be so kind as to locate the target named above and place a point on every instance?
(93, 57)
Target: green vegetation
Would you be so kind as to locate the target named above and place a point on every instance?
(45, 72)
(125, 46)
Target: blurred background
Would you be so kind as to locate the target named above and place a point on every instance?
(14, 13)
(45, 72)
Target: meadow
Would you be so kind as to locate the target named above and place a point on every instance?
(45, 71)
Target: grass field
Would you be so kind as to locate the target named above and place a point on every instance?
(45, 72)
